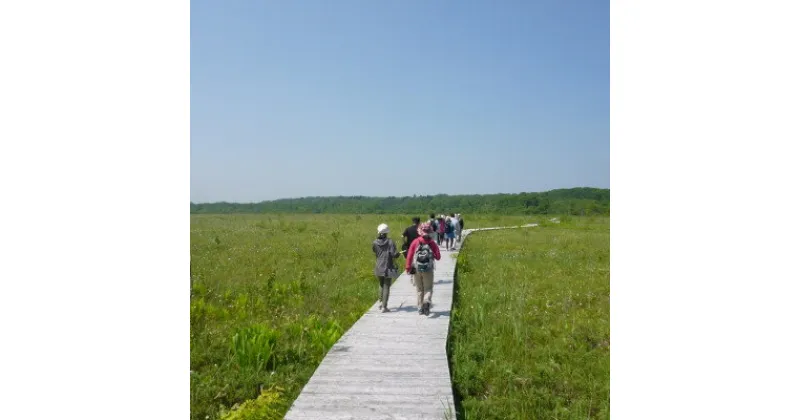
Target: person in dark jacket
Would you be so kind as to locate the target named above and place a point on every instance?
(440, 227)
(385, 252)
(434, 226)
(460, 225)
(409, 235)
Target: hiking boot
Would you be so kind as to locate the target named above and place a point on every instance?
(426, 309)
(421, 311)
(385, 309)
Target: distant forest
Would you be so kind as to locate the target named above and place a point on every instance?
(574, 201)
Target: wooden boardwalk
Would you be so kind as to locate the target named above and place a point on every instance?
(389, 365)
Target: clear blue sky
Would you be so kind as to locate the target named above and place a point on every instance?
(380, 97)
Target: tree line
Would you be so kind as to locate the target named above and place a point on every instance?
(574, 201)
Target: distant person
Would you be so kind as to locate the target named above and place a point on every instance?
(423, 252)
(460, 225)
(409, 235)
(435, 226)
(385, 269)
(441, 230)
(450, 232)
(447, 227)
(457, 224)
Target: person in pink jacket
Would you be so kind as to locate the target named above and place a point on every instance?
(420, 262)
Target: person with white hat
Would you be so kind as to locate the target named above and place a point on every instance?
(385, 269)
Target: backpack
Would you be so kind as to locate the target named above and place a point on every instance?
(434, 224)
(423, 258)
(449, 227)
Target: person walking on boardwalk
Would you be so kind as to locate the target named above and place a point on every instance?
(422, 253)
(440, 224)
(434, 227)
(409, 235)
(450, 232)
(385, 269)
(457, 225)
(460, 226)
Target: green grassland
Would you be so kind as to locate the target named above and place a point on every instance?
(530, 328)
(270, 294)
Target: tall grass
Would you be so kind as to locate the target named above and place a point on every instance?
(270, 294)
(530, 328)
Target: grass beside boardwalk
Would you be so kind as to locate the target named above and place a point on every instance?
(530, 329)
(270, 294)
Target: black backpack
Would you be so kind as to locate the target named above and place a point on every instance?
(423, 258)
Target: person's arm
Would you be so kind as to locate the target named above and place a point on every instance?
(436, 253)
(411, 250)
(395, 254)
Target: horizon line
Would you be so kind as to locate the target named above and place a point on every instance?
(391, 196)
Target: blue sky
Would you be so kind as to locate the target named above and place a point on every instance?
(380, 98)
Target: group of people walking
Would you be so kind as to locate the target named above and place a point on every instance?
(420, 248)
(446, 229)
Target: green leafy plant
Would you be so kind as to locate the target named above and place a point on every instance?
(254, 346)
(323, 334)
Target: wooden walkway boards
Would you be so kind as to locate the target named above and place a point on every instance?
(389, 365)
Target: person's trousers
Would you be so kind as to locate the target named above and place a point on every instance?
(424, 283)
(384, 283)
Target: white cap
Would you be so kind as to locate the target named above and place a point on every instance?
(383, 228)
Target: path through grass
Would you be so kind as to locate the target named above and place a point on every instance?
(270, 294)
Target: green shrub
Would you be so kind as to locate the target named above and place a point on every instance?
(270, 405)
